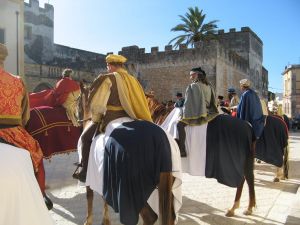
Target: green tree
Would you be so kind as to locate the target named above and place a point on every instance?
(194, 28)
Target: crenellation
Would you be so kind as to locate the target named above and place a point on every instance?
(142, 51)
(232, 30)
(221, 31)
(182, 47)
(245, 29)
(154, 50)
(168, 48)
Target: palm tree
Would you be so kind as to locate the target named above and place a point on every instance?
(194, 28)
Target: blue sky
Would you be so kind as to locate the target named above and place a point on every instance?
(107, 26)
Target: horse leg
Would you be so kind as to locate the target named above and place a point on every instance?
(166, 207)
(236, 203)
(282, 173)
(40, 177)
(89, 197)
(249, 176)
(148, 215)
(286, 163)
(105, 220)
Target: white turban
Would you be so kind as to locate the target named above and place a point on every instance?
(245, 83)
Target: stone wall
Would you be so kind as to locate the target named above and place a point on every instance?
(233, 56)
(38, 76)
(38, 32)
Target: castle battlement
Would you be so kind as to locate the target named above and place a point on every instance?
(233, 31)
(201, 50)
(35, 6)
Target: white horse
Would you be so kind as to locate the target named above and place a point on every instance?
(21, 199)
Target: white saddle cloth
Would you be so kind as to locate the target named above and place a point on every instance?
(94, 177)
(21, 201)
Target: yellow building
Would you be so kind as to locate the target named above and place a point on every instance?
(291, 90)
(12, 34)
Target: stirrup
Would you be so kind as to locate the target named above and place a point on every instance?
(76, 172)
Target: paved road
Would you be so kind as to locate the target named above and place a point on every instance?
(204, 200)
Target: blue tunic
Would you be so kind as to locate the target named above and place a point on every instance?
(249, 109)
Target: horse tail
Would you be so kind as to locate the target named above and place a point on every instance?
(166, 209)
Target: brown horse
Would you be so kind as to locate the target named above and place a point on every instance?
(166, 209)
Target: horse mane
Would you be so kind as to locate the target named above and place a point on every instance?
(159, 111)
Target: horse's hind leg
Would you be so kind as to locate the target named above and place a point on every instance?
(166, 207)
(89, 197)
(105, 220)
(148, 215)
(249, 176)
(236, 203)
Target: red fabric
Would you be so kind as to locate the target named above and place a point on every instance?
(11, 94)
(56, 96)
(63, 88)
(42, 98)
(52, 129)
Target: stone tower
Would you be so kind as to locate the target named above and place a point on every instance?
(38, 32)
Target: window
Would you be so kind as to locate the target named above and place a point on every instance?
(28, 32)
(2, 36)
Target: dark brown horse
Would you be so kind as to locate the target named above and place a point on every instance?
(167, 214)
(271, 148)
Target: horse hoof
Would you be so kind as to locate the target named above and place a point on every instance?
(248, 212)
(48, 202)
(276, 179)
(230, 213)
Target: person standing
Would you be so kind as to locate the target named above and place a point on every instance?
(233, 101)
(199, 107)
(179, 100)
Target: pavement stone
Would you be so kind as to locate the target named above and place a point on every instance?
(204, 200)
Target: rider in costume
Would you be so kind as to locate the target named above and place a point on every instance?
(233, 100)
(112, 96)
(14, 114)
(250, 108)
(179, 100)
(64, 94)
(200, 104)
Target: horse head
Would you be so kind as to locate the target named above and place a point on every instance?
(82, 104)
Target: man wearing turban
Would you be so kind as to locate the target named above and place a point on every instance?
(250, 108)
(112, 96)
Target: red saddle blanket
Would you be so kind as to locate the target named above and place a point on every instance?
(53, 130)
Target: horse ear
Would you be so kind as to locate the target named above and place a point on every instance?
(81, 83)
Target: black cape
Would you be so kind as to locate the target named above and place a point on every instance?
(135, 155)
(228, 145)
(270, 146)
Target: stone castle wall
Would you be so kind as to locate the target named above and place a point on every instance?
(38, 32)
(43, 76)
(233, 56)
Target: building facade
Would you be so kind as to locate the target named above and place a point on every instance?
(235, 55)
(11, 34)
(291, 90)
(45, 60)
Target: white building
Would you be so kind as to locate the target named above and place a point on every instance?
(12, 34)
